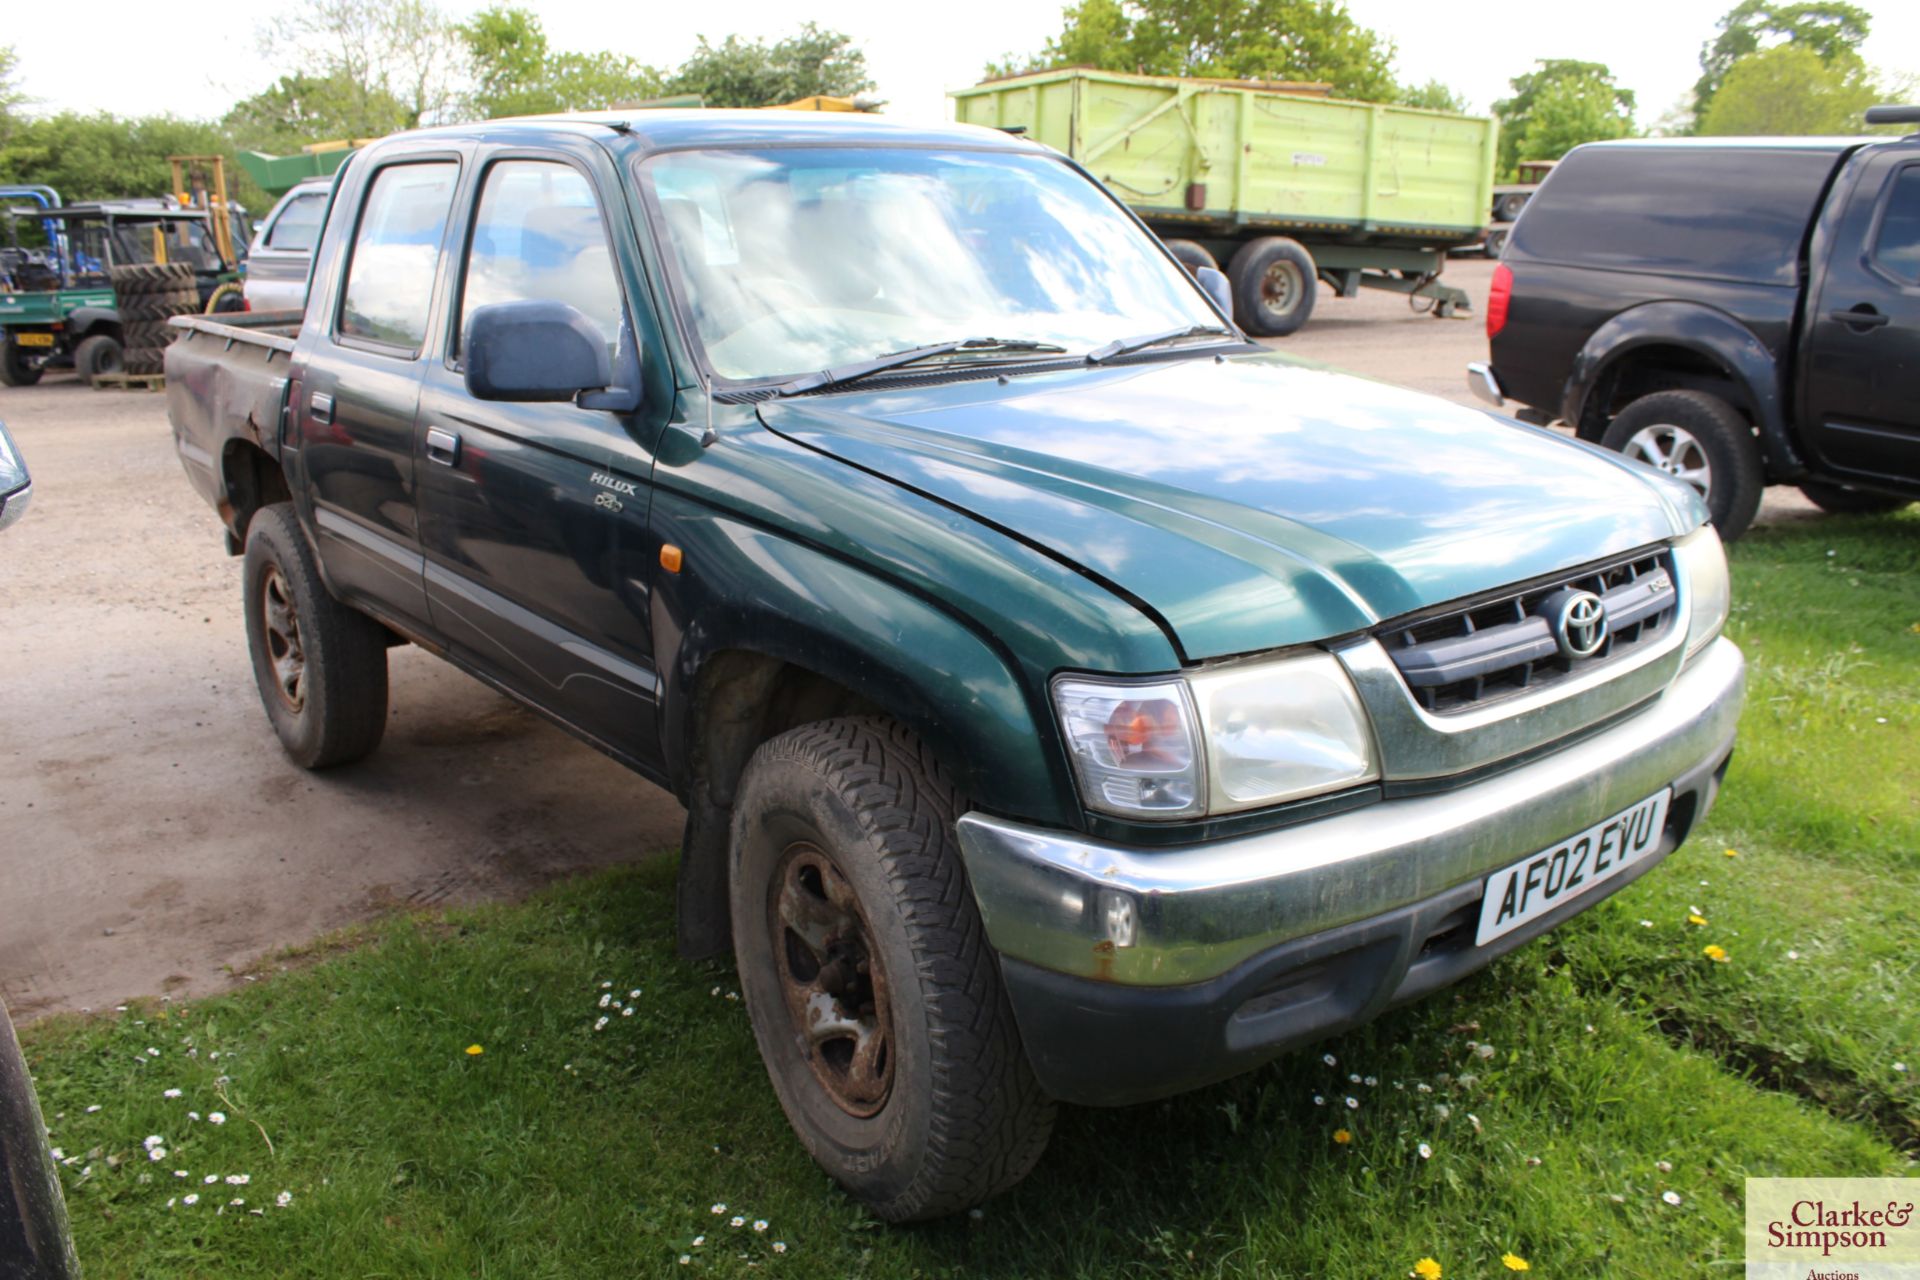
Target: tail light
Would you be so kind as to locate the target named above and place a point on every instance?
(1498, 298)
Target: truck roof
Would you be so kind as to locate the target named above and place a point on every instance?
(667, 129)
(1830, 144)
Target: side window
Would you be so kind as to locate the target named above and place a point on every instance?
(1896, 247)
(537, 236)
(395, 250)
(298, 226)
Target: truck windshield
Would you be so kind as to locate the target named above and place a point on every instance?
(796, 260)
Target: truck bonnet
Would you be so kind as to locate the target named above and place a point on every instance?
(1252, 502)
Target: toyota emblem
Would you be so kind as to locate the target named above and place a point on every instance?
(1580, 624)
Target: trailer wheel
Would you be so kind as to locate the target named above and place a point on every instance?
(1192, 255)
(14, 369)
(1274, 286)
(98, 354)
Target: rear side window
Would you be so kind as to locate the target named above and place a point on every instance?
(1896, 246)
(1734, 213)
(298, 226)
(395, 251)
(537, 237)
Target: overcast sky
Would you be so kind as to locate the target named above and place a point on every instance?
(135, 58)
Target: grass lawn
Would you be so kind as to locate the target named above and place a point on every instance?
(1590, 1104)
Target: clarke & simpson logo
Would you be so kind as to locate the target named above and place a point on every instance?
(1832, 1229)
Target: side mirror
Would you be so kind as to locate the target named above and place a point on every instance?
(534, 351)
(1215, 283)
(16, 486)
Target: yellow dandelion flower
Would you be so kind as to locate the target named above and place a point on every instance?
(1427, 1269)
(1715, 953)
(1514, 1262)
(474, 1051)
(1731, 853)
(1342, 1137)
(1694, 917)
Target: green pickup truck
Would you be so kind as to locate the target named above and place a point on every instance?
(1071, 699)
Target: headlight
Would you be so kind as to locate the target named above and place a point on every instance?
(1703, 571)
(1218, 741)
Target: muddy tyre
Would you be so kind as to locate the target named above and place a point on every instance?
(848, 895)
(1702, 441)
(321, 666)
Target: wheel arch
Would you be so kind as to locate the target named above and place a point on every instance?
(1680, 346)
(85, 322)
(249, 479)
(790, 635)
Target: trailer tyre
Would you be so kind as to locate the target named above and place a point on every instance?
(874, 995)
(321, 666)
(1274, 286)
(1192, 255)
(96, 355)
(1702, 441)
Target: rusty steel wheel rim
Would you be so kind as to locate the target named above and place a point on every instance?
(1280, 287)
(284, 651)
(831, 976)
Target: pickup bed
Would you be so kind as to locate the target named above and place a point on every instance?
(1072, 701)
(1764, 329)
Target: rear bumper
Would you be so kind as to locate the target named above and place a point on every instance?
(1140, 973)
(1483, 382)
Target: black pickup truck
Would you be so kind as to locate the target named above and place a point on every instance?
(1071, 699)
(1735, 312)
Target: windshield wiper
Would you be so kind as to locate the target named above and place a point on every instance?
(1127, 346)
(894, 360)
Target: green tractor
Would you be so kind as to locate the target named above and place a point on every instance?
(58, 305)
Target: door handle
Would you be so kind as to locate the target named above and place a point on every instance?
(321, 406)
(1862, 317)
(443, 447)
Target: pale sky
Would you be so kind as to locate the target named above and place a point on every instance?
(130, 57)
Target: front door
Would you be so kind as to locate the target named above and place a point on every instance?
(354, 409)
(1862, 375)
(526, 519)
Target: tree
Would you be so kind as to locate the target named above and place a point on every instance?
(1831, 29)
(299, 109)
(753, 73)
(1556, 107)
(388, 50)
(1789, 89)
(1315, 40)
(11, 96)
(515, 73)
(1433, 95)
(101, 156)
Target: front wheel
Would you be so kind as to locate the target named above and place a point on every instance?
(321, 666)
(874, 995)
(1274, 285)
(1702, 441)
(96, 355)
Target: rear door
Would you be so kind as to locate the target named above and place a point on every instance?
(526, 527)
(1860, 382)
(354, 408)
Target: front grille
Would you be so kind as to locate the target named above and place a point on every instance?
(1506, 645)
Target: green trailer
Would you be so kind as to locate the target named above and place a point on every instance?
(1286, 186)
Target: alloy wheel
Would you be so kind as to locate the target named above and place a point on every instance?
(1674, 450)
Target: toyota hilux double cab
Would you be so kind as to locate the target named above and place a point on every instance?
(1071, 700)
(1737, 312)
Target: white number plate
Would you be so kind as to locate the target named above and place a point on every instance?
(1555, 876)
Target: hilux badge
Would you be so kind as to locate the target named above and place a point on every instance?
(1580, 624)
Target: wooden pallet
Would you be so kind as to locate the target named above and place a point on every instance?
(129, 382)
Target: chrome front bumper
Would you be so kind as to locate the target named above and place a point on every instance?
(1167, 917)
